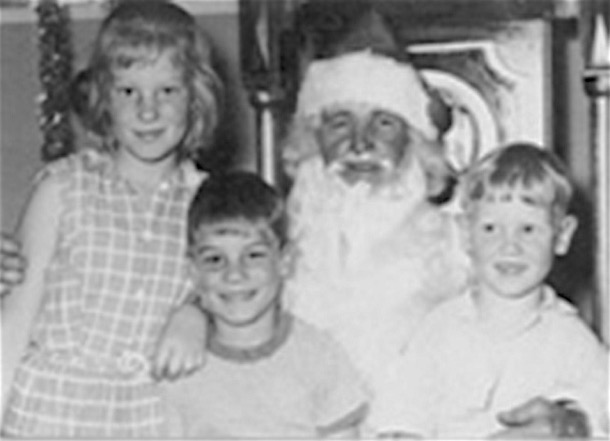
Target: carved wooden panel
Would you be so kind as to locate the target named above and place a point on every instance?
(498, 87)
(489, 60)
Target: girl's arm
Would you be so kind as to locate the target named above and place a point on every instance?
(37, 232)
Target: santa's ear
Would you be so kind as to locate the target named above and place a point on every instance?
(439, 111)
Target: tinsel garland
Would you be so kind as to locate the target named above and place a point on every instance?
(55, 73)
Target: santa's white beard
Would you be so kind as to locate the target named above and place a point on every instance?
(370, 264)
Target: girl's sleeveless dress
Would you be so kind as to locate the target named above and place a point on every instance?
(118, 270)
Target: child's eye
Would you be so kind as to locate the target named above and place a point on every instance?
(125, 91)
(529, 228)
(212, 261)
(170, 90)
(256, 255)
(488, 228)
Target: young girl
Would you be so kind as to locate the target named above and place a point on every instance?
(104, 234)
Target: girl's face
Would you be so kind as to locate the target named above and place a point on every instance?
(238, 268)
(513, 244)
(148, 108)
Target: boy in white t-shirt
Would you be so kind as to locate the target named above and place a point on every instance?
(268, 374)
(510, 338)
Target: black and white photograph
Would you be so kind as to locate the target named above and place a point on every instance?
(305, 219)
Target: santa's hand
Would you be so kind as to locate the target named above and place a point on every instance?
(543, 418)
(182, 347)
(13, 264)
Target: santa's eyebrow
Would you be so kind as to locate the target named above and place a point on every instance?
(335, 113)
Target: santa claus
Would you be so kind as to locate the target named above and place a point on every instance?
(375, 251)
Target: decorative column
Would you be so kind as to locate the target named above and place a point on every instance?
(597, 85)
(262, 23)
(268, 162)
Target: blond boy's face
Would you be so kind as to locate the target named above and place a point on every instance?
(238, 268)
(513, 244)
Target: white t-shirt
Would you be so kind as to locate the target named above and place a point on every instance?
(298, 385)
(454, 378)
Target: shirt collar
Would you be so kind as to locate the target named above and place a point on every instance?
(264, 350)
(185, 175)
(551, 302)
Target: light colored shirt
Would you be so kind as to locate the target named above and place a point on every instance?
(454, 377)
(298, 385)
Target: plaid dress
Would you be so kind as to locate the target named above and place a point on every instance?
(117, 271)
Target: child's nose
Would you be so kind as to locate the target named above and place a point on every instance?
(511, 244)
(148, 108)
(235, 273)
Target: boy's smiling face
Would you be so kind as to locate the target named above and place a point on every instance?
(238, 268)
(513, 243)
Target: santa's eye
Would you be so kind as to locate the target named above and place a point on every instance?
(387, 121)
(337, 122)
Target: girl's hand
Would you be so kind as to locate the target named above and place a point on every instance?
(13, 264)
(182, 346)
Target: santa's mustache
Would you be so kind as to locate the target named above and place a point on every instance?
(362, 162)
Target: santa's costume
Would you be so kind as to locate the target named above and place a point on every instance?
(371, 261)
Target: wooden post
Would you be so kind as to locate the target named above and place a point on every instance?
(597, 85)
(262, 23)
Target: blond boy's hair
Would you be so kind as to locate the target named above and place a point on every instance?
(527, 171)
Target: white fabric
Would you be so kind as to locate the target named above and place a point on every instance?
(456, 377)
(304, 388)
(365, 77)
(369, 265)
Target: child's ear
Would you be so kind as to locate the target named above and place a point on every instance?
(287, 260)
(565, 232)
(463, 225)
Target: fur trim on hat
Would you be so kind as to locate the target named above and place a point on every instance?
(366, 77)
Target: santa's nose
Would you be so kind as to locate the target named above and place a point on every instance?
(362, 143)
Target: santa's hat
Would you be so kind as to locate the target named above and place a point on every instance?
(369, 78)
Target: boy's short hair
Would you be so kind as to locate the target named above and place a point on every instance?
(237, 195)
(535, 172)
